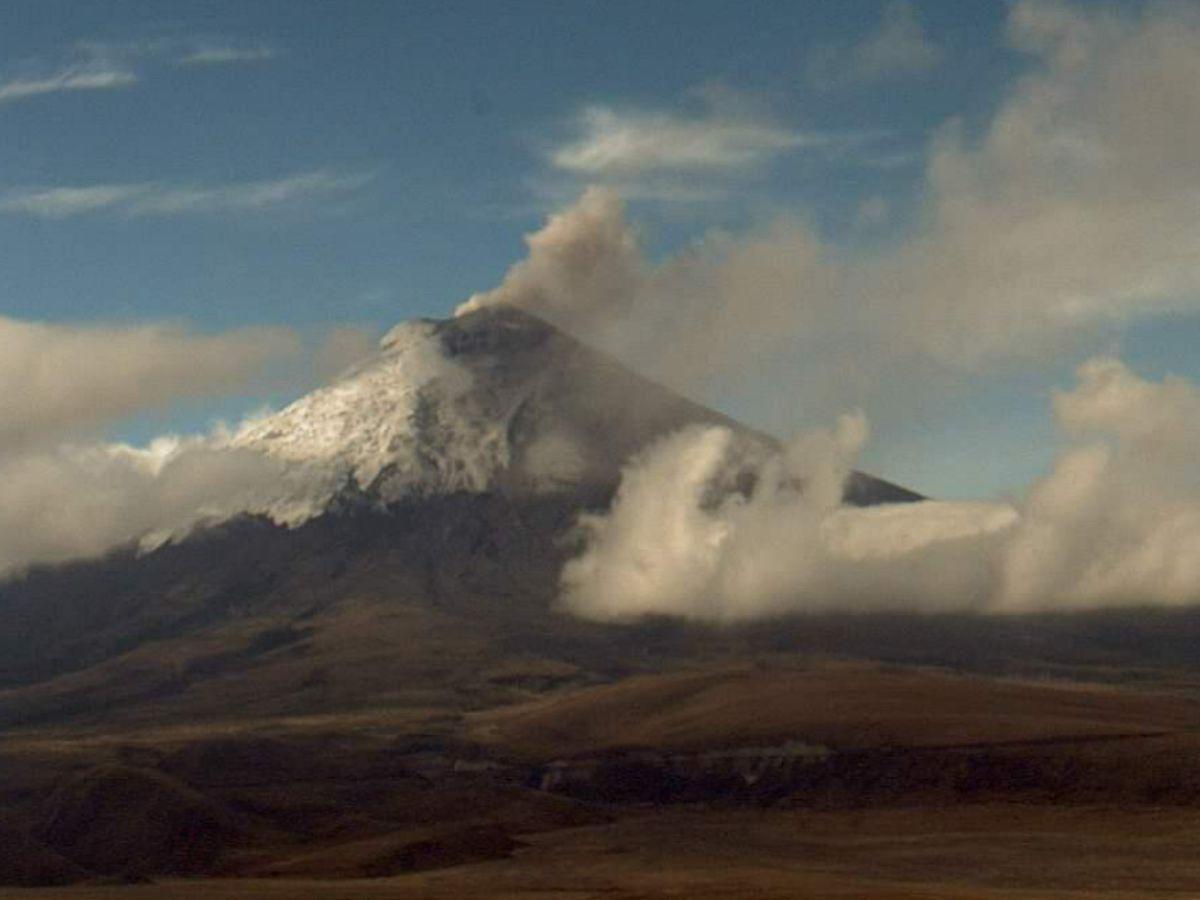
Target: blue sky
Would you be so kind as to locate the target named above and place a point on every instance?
(445, 107)
(315, 165)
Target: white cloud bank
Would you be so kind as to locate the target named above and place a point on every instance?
(148, 198)
(74, 502)
(1117, 521)
(65, 496)
(58, 380)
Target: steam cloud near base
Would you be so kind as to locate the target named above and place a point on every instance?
(1115, 522)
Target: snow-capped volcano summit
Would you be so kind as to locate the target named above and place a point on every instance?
(386, 425)
(496, 399)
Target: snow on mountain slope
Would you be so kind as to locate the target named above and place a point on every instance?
(493, 400)
(395, 424)
(498, 399)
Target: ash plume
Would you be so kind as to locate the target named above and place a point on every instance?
(1068, 215)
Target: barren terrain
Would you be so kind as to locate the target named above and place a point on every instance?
(781, 779)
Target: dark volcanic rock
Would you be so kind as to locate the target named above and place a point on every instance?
(118, 820)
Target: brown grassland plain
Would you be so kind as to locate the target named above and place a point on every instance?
(938, 785)
(980, 852)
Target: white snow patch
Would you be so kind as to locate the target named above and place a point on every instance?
(397, 423)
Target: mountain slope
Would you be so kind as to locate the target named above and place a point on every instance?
(492, 400)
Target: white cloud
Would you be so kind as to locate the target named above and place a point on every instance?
(63, 498)
(677, 541)
(107, 65)
(63, 202)
(61, 501)
(899, 46)
(673, 157)
(615, 143)
(185, 50)
(149, 198)
(74, 502)
(215, 53)
(57, 380)
(96, 75)
(1116, 521)
(1078, 206)
(247, 195)
(1118, 518)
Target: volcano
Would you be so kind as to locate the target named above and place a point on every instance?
(496, 400)
(440, 481)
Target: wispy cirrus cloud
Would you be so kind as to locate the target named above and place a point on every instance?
(91, 75)
(672, 156)
(151, 198)
(216, 53)
(180, 50)
(107, 65)
(64, 202)
(613, 142)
